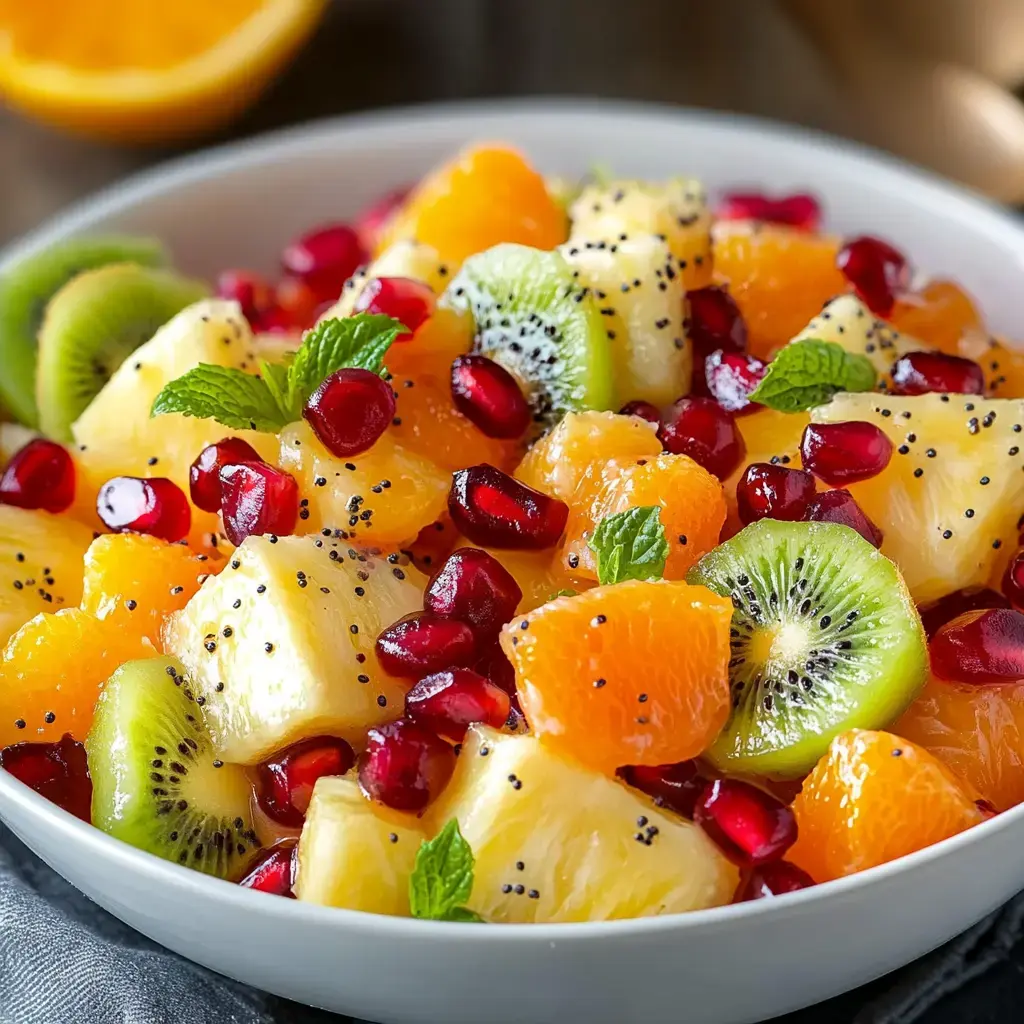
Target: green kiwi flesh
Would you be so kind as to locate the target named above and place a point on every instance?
(824, 638)
(533, 317)
(92, 325)
(156, 782)
(25, 291)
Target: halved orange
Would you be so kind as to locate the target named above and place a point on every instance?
(144, 72)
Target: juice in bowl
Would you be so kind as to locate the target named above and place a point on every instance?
(526, 552)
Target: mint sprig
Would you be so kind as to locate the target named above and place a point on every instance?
(442, 879)
(809, 372)
(275, 398)
(630, 545)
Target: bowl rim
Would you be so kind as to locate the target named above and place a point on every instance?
(358, 131)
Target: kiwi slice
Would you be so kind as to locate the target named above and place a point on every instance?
(532, 315)
(824, 638)
(156, 783)
(28, 287)
(92, 325)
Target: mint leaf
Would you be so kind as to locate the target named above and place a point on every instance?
(237, 399)
(630, 545)
(442, 879)
(809, 372)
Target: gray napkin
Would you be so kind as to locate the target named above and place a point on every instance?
(65, 961)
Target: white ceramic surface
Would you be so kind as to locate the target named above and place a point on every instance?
(236, 207)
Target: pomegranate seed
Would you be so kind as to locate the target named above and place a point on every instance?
(423, 643)
(350, 410)
(773, 492)
(985, 646)
(749, 825)
(130, 504)
(877, 271)
(274, 870)
(204, 473)
(731, 376)
(58, 771)
(1013, 581)
(938, 613)
(251, 291)
(490, 397)
(257, 499)
(371, 221)
(918, 373)
(715, 323)
(773, 880)
(675, 786)
(405, 765)
(843, 453)
(286, 781)
(325, 259)
(796, 211)
(490, 508)
(643, 409)
(494, 664)
(409, 302)
(40, 475)
(449, 702)
(840, 506)
(474, 587)
(702, 429)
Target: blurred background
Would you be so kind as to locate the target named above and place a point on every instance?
(95, 89)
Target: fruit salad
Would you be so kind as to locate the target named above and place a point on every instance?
(525, 551)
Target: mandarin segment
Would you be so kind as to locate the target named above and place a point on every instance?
(634, 673)
(940, 314)
(872, 798)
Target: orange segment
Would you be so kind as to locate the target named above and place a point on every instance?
(1002, 363)
(53, 670)
(940, 314)
(486, 195)
(779, 277)
(978, 731)
(133, 71)
(633, 673)
(691, 500)
(872, 798)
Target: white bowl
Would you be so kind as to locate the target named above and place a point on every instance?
(236, 206)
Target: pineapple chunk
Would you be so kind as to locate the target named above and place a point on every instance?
(677, 210)
(356, 853)
(949, 500)
(849, 323)
(640, 294)
(578, 836)
(278, 644)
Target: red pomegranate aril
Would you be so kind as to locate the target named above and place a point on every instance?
(749, 826)
(730, 378)
(350, 410)
(645, 410)
(919, 373)
(675, 786)
(204, 473)
(286, 781)
(474, 587)
(449, 702)
(257, 499)
(715, 322)
(490, 397)
(840, 506)
(1013, 580)
(409, 302)
(274, 870)
(773, 879)
(405, 765)
(58, 771)
(158, 507)
(251, 291)
(325, 259)
(371, 221)
(843, 453)
(423, 643)
(799, 210)
(985, 646)
(488, 507)
(935, 615)
(41, 475)
(767, 491)
(877, 272)
(702, 429)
